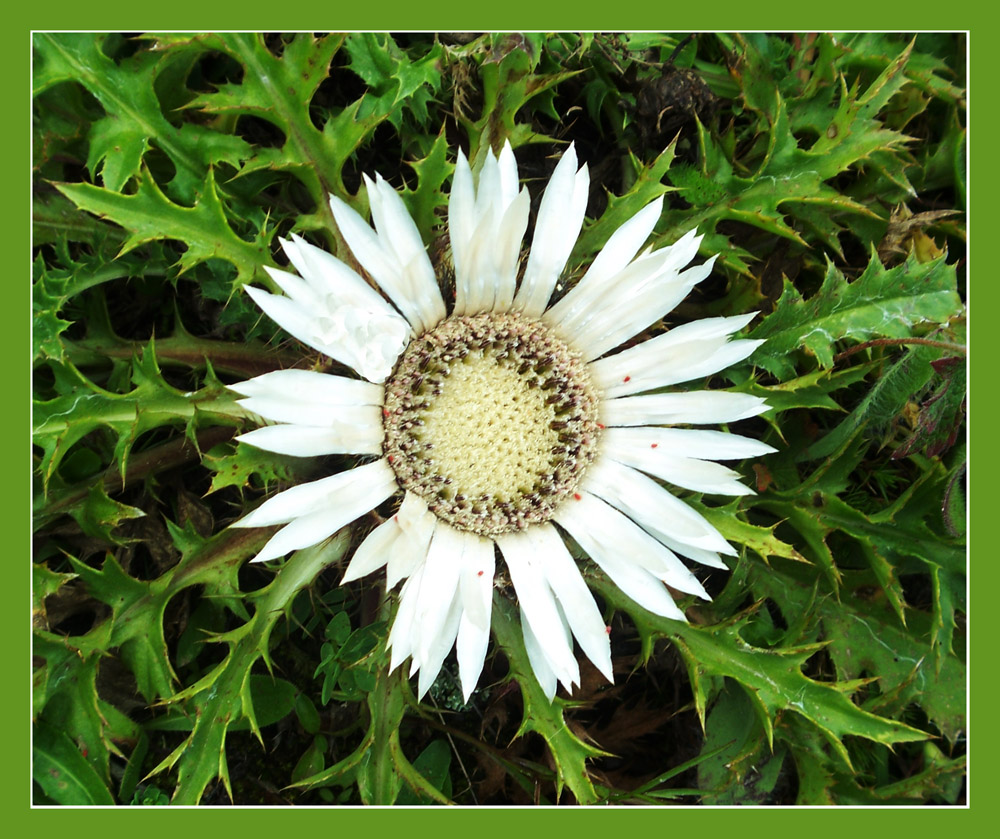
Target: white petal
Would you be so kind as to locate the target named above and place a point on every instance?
(438, 650)
(330, 277)
(486, 232)
(365, 340)
(507, 250)
(305, 531)
(686, 442)
(651, 450)
(476, 591)
(703, 557)
(600, 528)
(635, 309)
(406, 284)
(686, 472)
(409, 552)
(538, 603)
(613, 258)
(470, 649)
(686, 352)
(480, 283)
(539, 661)
(560, 217)
(633, 579)
(697, 407)
(309, 441)
(343, 496)
(373, 552)
(295, 287)
(398, 231)
(339, 501)
(462, 222)
(622, 246)
(488, 191)
(573, 597)
(311, 413)
(296, 321)
(644, 501)
(507, 167)
(438, 589)
(476, 579)
(309, 386)
(401, 637)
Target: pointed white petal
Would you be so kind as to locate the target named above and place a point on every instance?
(288, 505)
(438, 649)
(507, 250)
(309, 441)
(600, 529)
(296, 321)
(481, 282)
(486, 233)
(295, 287)
(644, 501)
(303, 532)
(461, 225)
(703, 557)
(535, 597)
(416, 525)
(686, 352)
(539, 661)
(636, 309)
(311, 413)
(476, 592)
(507, 169)
(343, 497)
(696, 407)
(686, 472)
(650, 450)
(686, 442)
(404, 283)
(439, 588)
(476, 579)
(398, 232)
(401, 637)
(560, 217)
(373, 552)
(613, 258)
(365, 340)
(331, 278)
(470, 649)
(632, 578)
(310, 386)
(488, 194)
(573, 597)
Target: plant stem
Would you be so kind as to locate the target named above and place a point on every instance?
(888, 342)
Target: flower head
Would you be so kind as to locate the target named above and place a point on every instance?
(504, 418)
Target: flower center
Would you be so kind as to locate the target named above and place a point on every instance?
(492, 419)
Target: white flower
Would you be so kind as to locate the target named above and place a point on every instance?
(504, 419)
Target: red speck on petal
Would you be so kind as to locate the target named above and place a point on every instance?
(600, 425)
(653, 445)
(395, 518)
(607, 630)
(627, 379)
(385, 412)
(479, 574)
(577, 496)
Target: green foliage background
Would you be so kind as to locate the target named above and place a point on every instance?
(829, 174)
